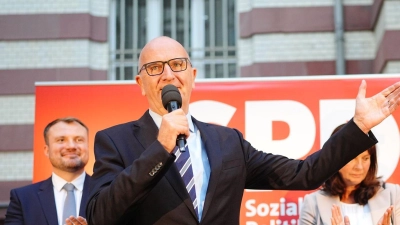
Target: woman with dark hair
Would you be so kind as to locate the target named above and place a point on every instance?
(354, 195)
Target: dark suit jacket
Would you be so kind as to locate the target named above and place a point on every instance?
(34, 204)
(123, 190)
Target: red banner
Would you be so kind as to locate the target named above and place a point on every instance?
(290, 116)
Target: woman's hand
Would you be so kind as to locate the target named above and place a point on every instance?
(337, 218)
(385, 219)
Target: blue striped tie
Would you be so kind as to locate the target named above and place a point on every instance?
(184, 165)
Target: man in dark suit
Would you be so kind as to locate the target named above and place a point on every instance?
(137, 174)
(43, 202)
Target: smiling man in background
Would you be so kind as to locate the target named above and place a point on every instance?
(62, 198)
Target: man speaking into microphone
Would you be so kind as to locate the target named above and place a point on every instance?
(172, 100)
(142, 177)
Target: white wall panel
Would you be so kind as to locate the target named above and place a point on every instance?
(392, 14)
(287, 48)
(248, 5)
(94, 7)
(53, 54)
(17, 109)
(360, 45)
(16, 166)
(392, 67)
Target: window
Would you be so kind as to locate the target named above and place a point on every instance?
(206, 28)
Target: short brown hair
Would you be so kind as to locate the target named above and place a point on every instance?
(67, 120)
(335, 185)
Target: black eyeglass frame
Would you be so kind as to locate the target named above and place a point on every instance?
(163, 63)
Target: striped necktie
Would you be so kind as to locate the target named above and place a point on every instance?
(184, 165)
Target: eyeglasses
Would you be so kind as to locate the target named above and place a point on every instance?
(157, 67)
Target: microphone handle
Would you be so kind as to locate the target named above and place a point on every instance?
(180, 140)
(172, 106)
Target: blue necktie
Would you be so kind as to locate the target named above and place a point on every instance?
(184, 165)
(69, 204)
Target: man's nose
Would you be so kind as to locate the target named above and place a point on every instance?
(71, 144)
(168, 74)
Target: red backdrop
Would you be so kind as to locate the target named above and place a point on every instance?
(274, 114)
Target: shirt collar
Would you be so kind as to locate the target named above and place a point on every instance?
(59, 182)
(157, 119)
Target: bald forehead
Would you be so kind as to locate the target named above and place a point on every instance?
(161, 49)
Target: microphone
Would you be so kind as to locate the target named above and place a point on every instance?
(172, 100)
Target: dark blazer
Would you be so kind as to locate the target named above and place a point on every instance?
(34, 204)
(136, 182)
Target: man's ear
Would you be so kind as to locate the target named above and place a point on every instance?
(194, 72)
(140, 82)
(46, 151)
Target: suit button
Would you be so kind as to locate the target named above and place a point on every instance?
(156, 169)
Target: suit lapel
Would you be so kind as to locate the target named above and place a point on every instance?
(145, 131)
(378, 204)
(85, 197)
(213, 149)
(324, 204)
(47, 201)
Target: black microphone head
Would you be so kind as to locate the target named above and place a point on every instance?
(170, 93)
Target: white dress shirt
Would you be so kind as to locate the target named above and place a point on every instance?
(358, 214)
(200, 163)
(60, 194)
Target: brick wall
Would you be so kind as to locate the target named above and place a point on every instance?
(289, 38)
